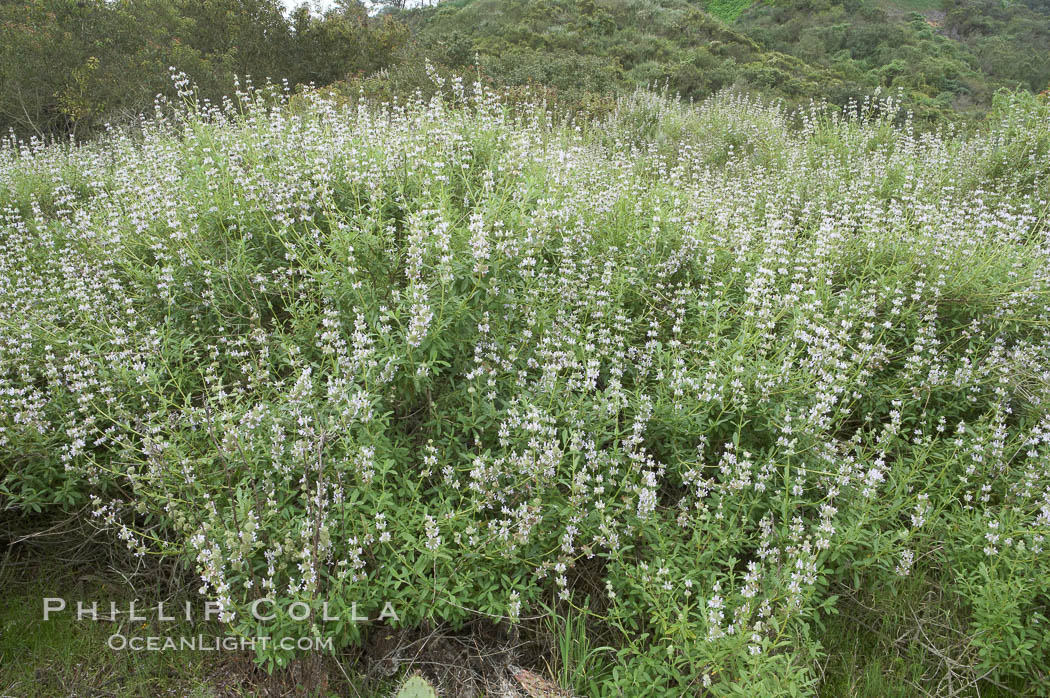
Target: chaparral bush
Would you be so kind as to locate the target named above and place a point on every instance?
(707, 369)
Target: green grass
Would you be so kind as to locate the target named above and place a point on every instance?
(63, 657)
(66, 657)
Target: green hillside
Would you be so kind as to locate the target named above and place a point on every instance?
(69, 67)
(592, 46)
(948, 58)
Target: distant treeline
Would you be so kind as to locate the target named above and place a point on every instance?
(71, 66)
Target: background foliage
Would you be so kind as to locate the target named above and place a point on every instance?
(70, 66)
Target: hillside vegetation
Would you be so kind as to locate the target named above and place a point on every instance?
(947, 62)
(733, 388)
(69, 67)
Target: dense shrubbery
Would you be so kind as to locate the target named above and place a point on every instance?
(585, 48)
(949, 59)
(71, 66)
(714, 372)
(946, 67)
